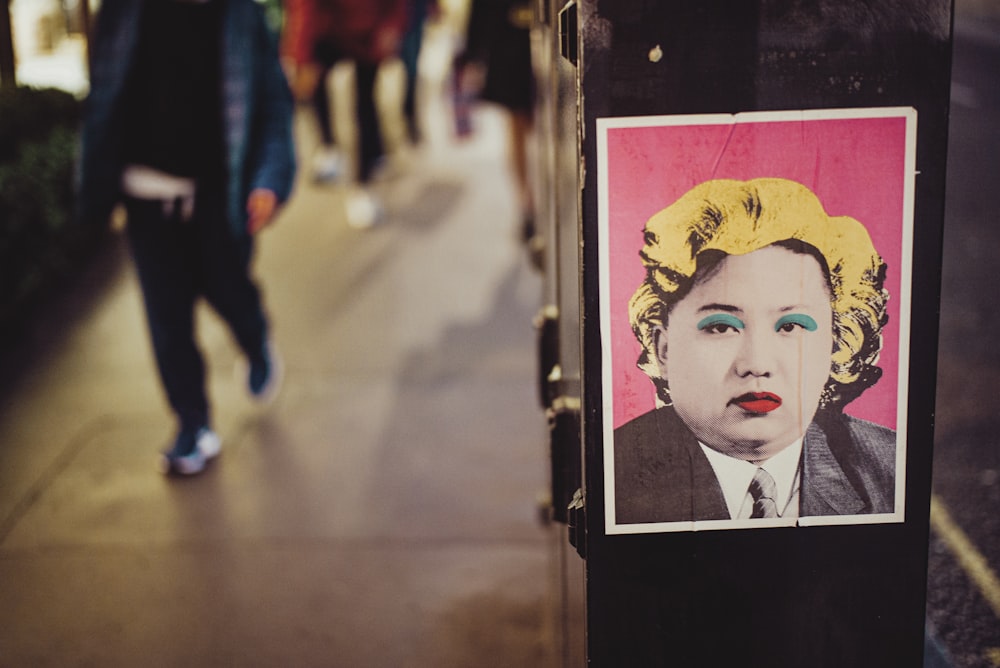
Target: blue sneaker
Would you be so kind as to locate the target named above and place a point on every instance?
(265, 375)
(191, 451)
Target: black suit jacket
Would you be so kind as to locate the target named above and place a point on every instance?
(662, 475)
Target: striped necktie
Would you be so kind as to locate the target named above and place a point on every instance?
(763, 490)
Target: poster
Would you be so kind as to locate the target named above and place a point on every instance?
(755, 296)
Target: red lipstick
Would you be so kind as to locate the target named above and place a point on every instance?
(758, 402)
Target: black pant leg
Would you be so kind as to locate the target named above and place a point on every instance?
(321, 108)
(164, 250)
(224, 269)
(369, 131)
(326, 54)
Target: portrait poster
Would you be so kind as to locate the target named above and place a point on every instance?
(658, 182)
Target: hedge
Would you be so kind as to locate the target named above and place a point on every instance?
(40, 246)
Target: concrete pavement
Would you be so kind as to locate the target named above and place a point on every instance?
(382, 512)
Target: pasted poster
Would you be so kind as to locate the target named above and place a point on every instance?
(755, 292)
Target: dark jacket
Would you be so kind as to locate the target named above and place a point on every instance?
(256, 105)
(498, 36)
(662, 475)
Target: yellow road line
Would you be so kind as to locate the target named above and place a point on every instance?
(969, 558)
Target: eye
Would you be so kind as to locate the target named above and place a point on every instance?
(793, 321)
(720, 323)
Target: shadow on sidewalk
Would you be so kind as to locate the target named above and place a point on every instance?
(52, 316)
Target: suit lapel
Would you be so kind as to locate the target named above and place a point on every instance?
(707, 499)
(680, 484)
(826, 489)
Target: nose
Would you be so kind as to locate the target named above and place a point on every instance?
(755, 357)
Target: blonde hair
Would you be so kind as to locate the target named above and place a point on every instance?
(739, 217)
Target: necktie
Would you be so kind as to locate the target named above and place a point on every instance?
(763, 490)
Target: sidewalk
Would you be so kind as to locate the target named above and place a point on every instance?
(382, 512)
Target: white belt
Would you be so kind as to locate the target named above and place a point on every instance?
(146, 183)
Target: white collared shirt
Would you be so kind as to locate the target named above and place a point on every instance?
(734, 476)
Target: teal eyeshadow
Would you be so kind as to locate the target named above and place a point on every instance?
(720, 319)
(797, 319)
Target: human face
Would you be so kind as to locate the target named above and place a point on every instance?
(747, 351)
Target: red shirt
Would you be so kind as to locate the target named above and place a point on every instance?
(368, 30)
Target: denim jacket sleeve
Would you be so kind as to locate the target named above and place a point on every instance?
(99, 163)
(258, 111)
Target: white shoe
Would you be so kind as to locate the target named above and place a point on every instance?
(185, 459)
(327, 165)
(364, 210)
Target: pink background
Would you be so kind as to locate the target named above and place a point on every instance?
(855, 166)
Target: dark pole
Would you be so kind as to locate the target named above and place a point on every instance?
(85, 22)
(8, 78)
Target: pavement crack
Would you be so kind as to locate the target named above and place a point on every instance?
(59, 464)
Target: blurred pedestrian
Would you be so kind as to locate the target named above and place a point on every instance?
(318, 35)
(419, 12)
(498, 51)
(188, 123)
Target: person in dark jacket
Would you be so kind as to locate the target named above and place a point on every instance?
(760, 318)
(498, 51)
(188, 123)
(419, 11)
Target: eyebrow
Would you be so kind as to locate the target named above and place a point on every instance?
(730, 308)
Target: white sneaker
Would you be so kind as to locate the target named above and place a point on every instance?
(187, 459)
(364, 210)
(327, 165)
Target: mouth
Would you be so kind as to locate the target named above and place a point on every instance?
(758, 402)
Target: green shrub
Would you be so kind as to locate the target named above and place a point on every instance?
(39, 245)
(29, 114)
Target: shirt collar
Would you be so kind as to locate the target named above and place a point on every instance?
(734, 475)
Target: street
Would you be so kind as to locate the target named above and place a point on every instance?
(963, 592)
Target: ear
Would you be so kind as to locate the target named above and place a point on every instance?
(660, 346)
